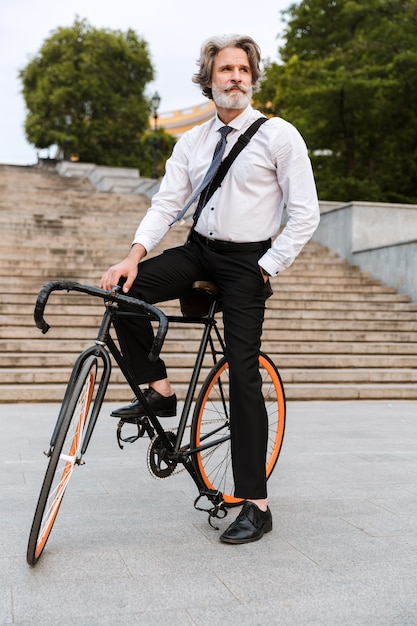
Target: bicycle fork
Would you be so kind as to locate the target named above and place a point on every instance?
(98, 350)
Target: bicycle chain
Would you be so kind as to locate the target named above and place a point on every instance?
(174, 471)
(151, 447)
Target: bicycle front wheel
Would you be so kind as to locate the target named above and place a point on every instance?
(66, 454)
(210, 427)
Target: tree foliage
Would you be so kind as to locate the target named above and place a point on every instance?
(348, 80)
(84, 91)
(157, 146)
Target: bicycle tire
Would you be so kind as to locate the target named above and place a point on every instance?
(211, 422)
(65, 455)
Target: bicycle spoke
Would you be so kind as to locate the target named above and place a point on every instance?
(211, 416)
(64, 457)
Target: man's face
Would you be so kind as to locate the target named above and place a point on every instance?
(231, 80)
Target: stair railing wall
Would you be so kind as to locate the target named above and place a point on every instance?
(380, 238)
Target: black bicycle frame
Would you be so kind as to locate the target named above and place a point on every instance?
(177, 452)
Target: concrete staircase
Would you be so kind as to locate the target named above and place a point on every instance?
(334, 332)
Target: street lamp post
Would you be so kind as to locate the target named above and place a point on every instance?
(155, 102)
(67, 140)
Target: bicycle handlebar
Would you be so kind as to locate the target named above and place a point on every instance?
(114, 295)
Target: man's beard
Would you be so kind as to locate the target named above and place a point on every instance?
(229, 97)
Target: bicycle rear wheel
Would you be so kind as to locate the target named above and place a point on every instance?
(65, 455)
(211, 426)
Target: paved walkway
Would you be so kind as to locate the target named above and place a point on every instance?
(130, 550)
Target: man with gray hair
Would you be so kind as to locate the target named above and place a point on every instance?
(234, 243)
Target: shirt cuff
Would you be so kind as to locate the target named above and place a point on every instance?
(146, 242)
(266, 264)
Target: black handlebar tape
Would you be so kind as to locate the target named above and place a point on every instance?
(42, 299)
(115, 295)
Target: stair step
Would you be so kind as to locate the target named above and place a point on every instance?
(272, 327)
(277, 350)
(293, 392)
(182, 375)
(60, 360)
(351, 392)
(84, 307)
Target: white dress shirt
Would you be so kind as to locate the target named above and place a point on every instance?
(271, 172)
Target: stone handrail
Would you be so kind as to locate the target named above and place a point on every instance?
(380, 238)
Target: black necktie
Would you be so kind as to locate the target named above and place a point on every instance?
(211, 172)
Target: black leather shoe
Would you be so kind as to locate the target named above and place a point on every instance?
(162, 406)
(250, 525)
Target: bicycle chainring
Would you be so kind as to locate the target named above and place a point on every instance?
(159, 465)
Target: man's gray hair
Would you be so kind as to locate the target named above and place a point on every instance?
(210, 49)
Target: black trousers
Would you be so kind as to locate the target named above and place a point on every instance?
(170, 275)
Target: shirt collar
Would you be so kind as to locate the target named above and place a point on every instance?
(238, 122)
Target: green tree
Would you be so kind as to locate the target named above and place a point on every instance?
(348, 80)
(84, 91)
(157, 147)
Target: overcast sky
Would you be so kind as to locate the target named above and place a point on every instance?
(173, 29)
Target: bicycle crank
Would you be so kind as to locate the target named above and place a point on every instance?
(159, 463)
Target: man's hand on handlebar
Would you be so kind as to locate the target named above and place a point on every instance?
(128, 269)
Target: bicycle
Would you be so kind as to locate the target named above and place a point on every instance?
(206, 456)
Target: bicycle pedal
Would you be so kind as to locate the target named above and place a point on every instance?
(218, 509)
(132, 438)
(215, 496)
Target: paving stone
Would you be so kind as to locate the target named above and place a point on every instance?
(128, 549)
